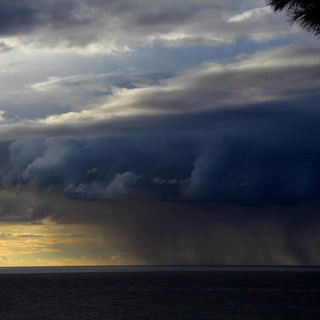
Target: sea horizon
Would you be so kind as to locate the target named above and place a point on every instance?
(153, 268)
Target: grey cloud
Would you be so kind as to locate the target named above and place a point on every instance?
(266, 152)
(162, 18)
(85, 90)
(239, 140)
(260, 24)
(284, 75)
(22, 17)
(255, 167)
(116, 26)
(4, 48)
(23, 155)
(107, 168)
(122, 185)
(251, 80)
(119, 186)
(17, 17)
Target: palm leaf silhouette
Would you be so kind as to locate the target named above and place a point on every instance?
(305, 12)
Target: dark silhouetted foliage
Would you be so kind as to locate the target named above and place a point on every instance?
(305, 12)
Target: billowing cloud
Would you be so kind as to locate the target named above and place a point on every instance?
(265, 153)
(238, 123)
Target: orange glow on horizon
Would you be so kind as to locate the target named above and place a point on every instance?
(24, 245)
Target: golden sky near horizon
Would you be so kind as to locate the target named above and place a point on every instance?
(60, 245)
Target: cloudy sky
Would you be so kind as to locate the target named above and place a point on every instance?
(157, 132)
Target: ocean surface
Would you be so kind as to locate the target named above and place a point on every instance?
(152, 293)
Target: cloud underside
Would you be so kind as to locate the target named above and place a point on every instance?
(243, 129)
(115, 26)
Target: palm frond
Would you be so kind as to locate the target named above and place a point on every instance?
(304, 12)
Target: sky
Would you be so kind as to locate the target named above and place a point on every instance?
(157, 132)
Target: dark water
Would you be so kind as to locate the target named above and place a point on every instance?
(165, 295)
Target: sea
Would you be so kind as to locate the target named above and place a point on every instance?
(160, 293)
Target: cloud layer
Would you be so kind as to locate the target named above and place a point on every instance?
(114, 26)
(232, 130)
(277, 76)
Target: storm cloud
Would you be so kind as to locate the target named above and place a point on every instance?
(187, 129)
(247, 153)
(243, 129)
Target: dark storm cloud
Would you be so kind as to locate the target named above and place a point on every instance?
(17, 17)
(265, 152)
(229, 187)
(248, 129)
(96, 168)
(22, 17)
